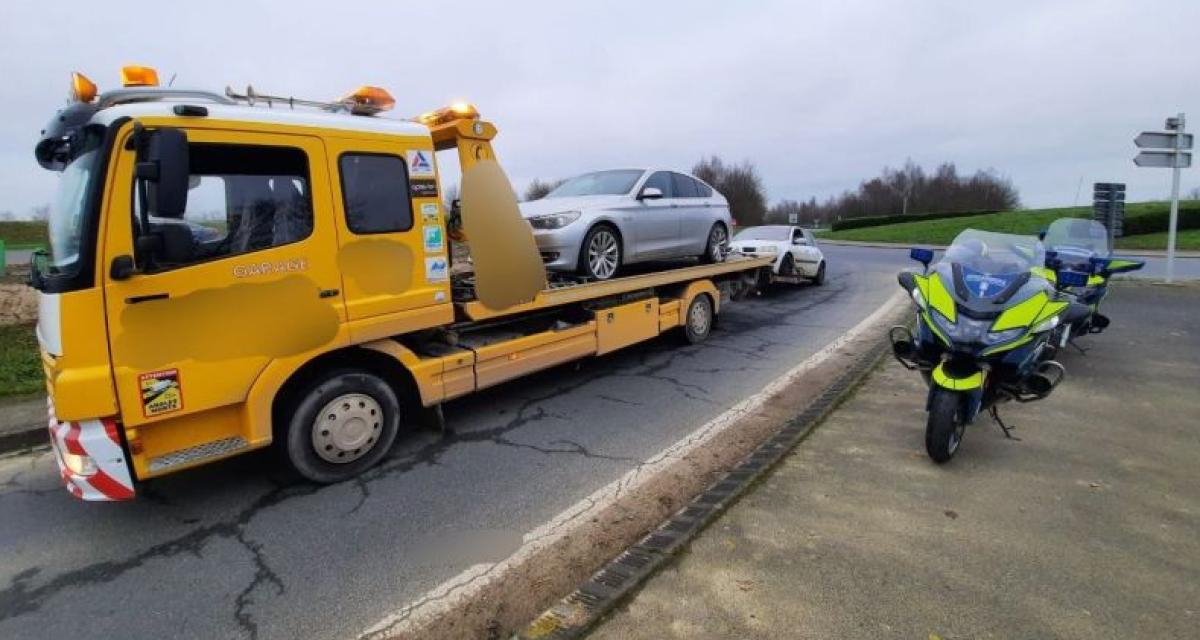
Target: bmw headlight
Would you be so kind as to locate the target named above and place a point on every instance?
(554, 220)
(998, 337)
(965, 331)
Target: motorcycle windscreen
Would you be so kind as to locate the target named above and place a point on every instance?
(508, 266)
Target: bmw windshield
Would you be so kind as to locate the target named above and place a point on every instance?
(1076, 240)
(600, 183)
(990, 262)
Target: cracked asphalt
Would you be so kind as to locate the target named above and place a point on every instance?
(243, 550)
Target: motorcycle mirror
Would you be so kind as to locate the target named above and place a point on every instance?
(924, 256)
(1042, 234)
(1052, 261)
(508, 266)
(1121, 265)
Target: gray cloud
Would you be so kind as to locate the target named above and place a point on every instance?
(818, 95)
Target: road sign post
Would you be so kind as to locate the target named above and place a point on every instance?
(1174, 144)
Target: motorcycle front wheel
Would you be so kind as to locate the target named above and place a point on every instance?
(945, 427)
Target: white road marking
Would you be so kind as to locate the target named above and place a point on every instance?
(465, 586)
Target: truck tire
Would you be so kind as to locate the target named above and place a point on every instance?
(718, 241)
(341, 424)
(600, 256)
(699, 320)
(945, 426)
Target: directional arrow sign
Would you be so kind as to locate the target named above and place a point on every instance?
(1163, 159)
(1157, 140)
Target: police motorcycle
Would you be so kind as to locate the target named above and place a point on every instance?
(1081, 247)
(984, 314)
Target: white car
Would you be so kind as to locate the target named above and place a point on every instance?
(794, 249)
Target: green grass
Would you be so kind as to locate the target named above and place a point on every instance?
(1186, 240)
(1024, 222)
(23, 234)
(20, 363)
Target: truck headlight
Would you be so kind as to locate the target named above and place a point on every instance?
(554, 220)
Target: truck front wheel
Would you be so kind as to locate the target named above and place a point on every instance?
(343, 423)
(699, 321)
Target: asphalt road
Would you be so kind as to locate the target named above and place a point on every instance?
(240, 549)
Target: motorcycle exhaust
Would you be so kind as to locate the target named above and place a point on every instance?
(1042, 381)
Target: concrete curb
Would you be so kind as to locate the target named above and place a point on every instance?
(895, 245)
(578, 612)
(23, 423)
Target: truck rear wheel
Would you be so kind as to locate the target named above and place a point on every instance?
(699, 321)
(342, 424)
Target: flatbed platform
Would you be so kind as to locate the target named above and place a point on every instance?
(558, 294)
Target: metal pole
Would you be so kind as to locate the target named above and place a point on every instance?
(1175, 166)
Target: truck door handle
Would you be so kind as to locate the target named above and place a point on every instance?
(327, 293)
(147, 298)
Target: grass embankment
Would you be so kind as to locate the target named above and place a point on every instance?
(20, 363)
(23, 234)
(1026, 222)
(1186, 240)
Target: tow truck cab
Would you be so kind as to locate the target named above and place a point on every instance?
(223, 268)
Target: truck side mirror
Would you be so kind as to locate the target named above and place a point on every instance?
(164, 167)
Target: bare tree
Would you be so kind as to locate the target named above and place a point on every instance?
(741, 186)
(41, 212)
(7, 216)
(539, 188)
(1194, 194)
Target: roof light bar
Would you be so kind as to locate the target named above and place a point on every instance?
(82, 89)
(138, 76)
(456, 111)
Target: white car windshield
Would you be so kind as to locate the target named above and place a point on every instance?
(764, 233)
(599, 183)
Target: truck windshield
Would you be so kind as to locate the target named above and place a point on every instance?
(67, 216)
(599, 183)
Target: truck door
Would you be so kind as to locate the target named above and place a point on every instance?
(656, 221)
(192, 329)
(393, 251)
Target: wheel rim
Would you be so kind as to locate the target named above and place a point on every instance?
(716, 243)
(698, 317)
(603, 254)
(956, 435)
(347, 428)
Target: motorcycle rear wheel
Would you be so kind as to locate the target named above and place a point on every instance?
(945, 427)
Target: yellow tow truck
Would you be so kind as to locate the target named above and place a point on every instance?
(230, 271)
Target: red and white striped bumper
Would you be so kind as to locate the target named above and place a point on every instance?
(90, 458)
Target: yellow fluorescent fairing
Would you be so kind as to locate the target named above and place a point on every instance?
(937, 296)
(1029, 312)
(944, 380)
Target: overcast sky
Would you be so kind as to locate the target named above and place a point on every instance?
(817, 95)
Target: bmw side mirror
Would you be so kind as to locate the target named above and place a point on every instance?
(650, 193)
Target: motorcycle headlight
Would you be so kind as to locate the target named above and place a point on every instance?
(1046, 325)
(965, 331)
(997, 337)
(554, 220)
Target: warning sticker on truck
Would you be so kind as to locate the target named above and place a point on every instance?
(429, 212)
(423, 188)
(161, 392)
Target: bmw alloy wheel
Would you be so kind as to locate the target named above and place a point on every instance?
(603, 254)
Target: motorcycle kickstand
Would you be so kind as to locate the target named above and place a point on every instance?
(1003, 427)
(1077, 347)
